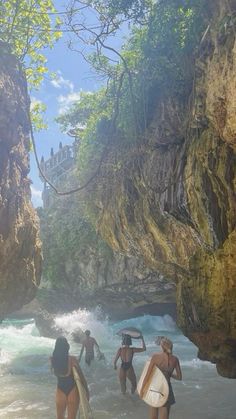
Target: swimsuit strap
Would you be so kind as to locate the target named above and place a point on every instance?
(165, 368)
(132, 354)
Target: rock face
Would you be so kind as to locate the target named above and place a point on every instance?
(120, 285)
(84, 272)
(168, 210)
(172, 203)
(20, 255)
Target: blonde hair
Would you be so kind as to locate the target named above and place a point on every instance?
(166, 345)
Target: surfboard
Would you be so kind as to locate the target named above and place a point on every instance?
(156, 389)
(85, 408)
(133, 332)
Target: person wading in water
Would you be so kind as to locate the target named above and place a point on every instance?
(67, 395)
(88, 343)
(125, 353)
(169, 365)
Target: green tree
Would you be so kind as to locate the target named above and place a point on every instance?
(90, 118)
(156, 59)
(29, 26)
(67, 235)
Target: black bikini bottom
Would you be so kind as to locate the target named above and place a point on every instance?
(66, 384)
(126, 365)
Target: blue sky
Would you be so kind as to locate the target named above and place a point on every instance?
(73, 76)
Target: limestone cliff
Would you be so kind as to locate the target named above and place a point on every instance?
(164, 207)
(83, 271)
(20, 256)
(172, 201)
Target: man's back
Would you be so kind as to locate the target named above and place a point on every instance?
(88, 343)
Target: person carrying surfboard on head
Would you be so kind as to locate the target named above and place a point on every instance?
(170, 367)
(125, 353)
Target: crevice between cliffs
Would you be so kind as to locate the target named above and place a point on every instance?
(161, 227)
(168, 209)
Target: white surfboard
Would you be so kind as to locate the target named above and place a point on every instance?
(133, 332)
(85, 408)
(157, 388)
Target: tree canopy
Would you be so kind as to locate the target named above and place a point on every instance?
(30, 26)
(156, 58)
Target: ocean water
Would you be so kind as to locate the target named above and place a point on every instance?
(28, 387)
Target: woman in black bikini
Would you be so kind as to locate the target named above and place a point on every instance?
(67, 396)
(125, 353)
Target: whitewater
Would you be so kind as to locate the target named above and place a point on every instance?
(28, 386)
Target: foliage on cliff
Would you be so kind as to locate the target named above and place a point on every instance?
(67, 236)
(27, 27)
(172, 203)
(156, 59)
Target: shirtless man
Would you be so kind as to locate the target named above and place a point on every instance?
(88, 343)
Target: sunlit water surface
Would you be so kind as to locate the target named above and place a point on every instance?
(28, 387)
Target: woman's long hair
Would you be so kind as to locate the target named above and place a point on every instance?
(60, 356)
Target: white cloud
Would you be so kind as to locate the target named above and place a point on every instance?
(36, 197)
(59, 82)
(65, 101)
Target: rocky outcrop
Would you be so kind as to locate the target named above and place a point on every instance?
(87, 273)
(120, 285)
(20, 256)
(172, 201)
(166, 209)
(210, 186)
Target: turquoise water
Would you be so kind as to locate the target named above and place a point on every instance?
(28, 387)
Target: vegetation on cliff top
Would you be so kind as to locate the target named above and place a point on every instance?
(67, 236)
(157, 58)
(28, 28)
